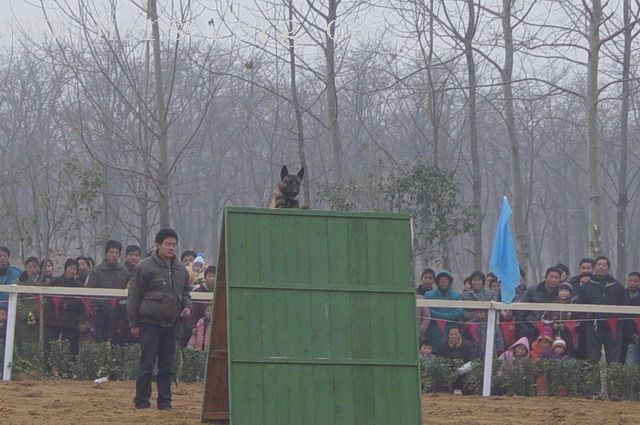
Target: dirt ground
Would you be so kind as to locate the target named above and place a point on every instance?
(81, 402)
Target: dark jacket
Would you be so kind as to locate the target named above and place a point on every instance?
(534, 294)
(465, 351)
(602, 291)
(63, 311)
(109, 277)
(157, 292)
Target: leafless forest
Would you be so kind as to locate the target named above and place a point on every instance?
(111, 127)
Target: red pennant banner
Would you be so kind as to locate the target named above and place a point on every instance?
(539, 325)
(88, 308)
(441, 325)
(508, 333)
(56, 304)
(613, 325)
(637, 321)
(473, 329)
(571, 325)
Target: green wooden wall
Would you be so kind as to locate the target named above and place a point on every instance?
(321, 318)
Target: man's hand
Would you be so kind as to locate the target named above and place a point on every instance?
(135, 332)
(186, 313)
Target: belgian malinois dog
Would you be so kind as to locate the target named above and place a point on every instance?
(287, 189)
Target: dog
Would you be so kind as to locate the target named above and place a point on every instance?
(287, 189)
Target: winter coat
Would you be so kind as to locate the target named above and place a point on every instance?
(534, 294)
(606, 290)
(483, 294)
(11, 275)
(63, 311)
(201, 333)
(508, 357)
(109, 277)
(433, 335)
(158, 292)
(466, 351)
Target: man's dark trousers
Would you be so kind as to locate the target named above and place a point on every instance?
(156, 342)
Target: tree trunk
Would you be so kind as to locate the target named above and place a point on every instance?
(623, 200)
(332, 92)
(522, 244)
(591, 106)
(475, 151)
(298, 110)
(161, 119)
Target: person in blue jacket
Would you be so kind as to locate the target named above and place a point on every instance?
(442, 291)
(8, 273)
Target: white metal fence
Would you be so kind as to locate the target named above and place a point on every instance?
(14, 290)
(492, 306)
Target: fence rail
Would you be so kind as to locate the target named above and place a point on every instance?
(492, 306)
(14, 290)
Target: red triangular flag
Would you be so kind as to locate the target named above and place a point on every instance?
(473, 329)
(508, 334)
(613, 325)
(441, 325)
(571, 325)
(637, 320)
(56, 300)
(539, 325)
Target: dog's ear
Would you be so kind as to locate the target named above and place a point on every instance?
(301, 173)
(284, 172)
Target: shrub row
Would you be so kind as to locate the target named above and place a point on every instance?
(572, 378)
(96, 360)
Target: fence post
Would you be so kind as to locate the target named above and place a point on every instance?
(488, 351)
(11, 327)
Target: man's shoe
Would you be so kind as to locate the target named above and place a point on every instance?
(164, 407)
(142, 405)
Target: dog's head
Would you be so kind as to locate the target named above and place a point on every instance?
(290, 183)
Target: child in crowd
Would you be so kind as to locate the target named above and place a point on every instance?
(200, 335)
(557, 323)
(198, 269)
(426, 351)
(519, 350)
(559, 348)
(541, 348)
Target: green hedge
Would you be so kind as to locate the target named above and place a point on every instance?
(572, 378)
(96, 360)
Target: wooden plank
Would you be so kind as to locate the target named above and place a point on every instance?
(215, 405)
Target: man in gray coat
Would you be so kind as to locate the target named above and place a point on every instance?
(158, 299)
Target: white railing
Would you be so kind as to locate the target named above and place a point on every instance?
(492, 306)
(14, 290)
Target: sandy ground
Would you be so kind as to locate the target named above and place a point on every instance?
(81, 402)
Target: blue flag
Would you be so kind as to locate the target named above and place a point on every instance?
(504, 262)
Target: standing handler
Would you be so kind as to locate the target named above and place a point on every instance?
(158, 298)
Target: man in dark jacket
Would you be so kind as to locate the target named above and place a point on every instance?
(62, 314)
(109, 274)
(544, 292)
(158, 298)
(603, 289)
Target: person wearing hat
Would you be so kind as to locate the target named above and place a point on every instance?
(442, 291)
(8, 273)
(197, 268)
(559, 349)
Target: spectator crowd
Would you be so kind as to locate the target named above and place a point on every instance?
(456, 333)
(98, 319)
